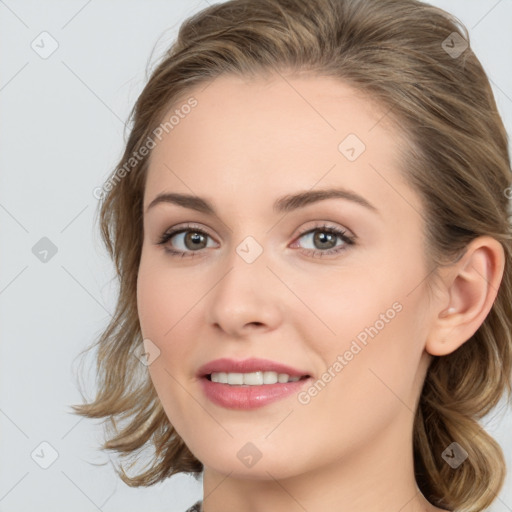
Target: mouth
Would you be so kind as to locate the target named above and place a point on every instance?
(250, 383)
(257, 378)
(241, 396)
(252, 371)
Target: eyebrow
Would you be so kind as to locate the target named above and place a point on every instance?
(284, 204)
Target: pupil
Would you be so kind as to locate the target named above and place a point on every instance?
(195, 237)
(322, 236)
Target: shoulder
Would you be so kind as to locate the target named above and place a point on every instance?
(196, 507)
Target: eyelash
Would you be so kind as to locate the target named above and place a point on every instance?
(348, 240)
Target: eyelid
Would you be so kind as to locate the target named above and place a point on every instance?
(322, 224)
(183, 228)
(186, 226)
(326, 224)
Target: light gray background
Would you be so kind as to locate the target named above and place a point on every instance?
(62, 121)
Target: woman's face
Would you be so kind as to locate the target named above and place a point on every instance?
(332, 287)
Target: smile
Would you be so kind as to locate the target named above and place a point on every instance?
(257, 378)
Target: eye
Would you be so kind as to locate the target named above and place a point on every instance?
(325, 237)
(192, 239)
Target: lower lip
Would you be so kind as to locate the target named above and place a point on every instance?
(249, 397)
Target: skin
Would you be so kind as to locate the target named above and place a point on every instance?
(245, 144)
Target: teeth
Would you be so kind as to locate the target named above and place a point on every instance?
(252, 379)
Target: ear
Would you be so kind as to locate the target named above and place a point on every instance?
(470, 287)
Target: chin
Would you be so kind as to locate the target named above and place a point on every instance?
(246, 463)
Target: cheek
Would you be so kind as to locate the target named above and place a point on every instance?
(161, 299)
(377, 335)
(166, 309)
(160, 309)
(374, 380)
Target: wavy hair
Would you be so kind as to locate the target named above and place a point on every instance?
(404, 55)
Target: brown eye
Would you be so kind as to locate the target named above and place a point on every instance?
(324, 240)
(194, 240)
(185, 240)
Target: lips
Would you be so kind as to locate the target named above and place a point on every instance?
(227, 365)
(249, 397)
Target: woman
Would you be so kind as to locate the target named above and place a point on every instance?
(342, 172)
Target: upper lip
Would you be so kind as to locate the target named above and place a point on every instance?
(246, 366)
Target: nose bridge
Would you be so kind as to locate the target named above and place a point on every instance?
(246, 294)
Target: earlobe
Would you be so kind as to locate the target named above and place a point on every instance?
(472, 286)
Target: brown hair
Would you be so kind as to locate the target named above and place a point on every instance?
(404, 55)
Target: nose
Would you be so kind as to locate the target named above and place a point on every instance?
(248, 296)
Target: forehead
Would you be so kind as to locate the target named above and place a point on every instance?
(248, 139)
